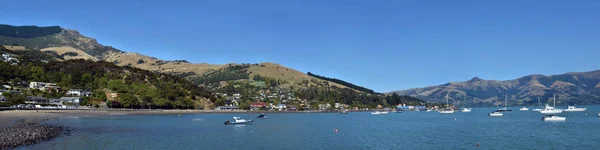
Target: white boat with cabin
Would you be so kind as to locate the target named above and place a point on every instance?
(574, 109)
(524, 109)
(379, 113)
(495, 114)
(551, 110)
(553, 118)
(238, 120)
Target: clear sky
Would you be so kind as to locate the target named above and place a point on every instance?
(382, 45)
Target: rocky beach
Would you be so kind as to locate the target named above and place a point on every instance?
(28, 133)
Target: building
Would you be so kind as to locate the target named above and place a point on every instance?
(280, 107)
(112, 96)
(43, 86)
(37, 100)
(258, 105)
(78, 92)
(292, 108)
(2, 99)
(73, 100)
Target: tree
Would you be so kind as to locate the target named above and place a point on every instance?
(87, 80)
(128, 101)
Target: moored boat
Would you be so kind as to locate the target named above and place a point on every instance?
(238, 120)
(574, 109)
(553, 118)
(495, 114)
(448, 110)
(466, 110)
(551, 110)
(379, 113)
(262, 116)
(524, 109)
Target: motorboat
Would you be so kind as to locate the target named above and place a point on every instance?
(238, 120)
(553, 118)
(262, 116)
(344, 112)
(495, 114)
(429, 110)
(524, 109)
(574, 109)
(466, 110)
(379, 113)
(551, 110)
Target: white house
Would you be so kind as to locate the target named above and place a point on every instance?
(280, 107)
(42, 85)
(77, 92)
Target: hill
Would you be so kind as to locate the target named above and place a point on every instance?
(249, 79)
(570, 88)
(57, 40)
(137, 88)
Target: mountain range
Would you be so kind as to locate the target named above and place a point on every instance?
(570, 88)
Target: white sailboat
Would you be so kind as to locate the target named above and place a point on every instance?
(539, 104)
(505, 105)
(551, 110)
(552, 117)
(447, 110)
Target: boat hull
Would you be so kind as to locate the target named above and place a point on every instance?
(242, 122)
(575, 110)
(446, 112)
(556, 111)
(554, 119)
(495, 114)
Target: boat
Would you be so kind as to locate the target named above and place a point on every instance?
(551, 110)
(466, 109)
(429, 110)
(539, 105)
(447, 110)
(262, 116)
(524, 109)
(574, 109)
(238, 120)
(344, 112)
(553, 118)
(379, 113)
(495, 114)
(505, 105)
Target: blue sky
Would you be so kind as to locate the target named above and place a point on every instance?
(382, 45)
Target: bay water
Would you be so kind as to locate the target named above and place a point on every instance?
(355, 130)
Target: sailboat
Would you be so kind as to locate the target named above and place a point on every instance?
(447, 110)
(551, 110)
(466, 109)
(553, 117)
(505, 105)
(539, 104)
(495, 113)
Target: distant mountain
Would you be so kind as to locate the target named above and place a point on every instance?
(570, 88)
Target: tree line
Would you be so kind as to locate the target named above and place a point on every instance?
(344, 83)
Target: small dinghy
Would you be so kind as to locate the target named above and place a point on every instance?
(237, 120)
(262, 116)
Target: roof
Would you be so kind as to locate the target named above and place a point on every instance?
(69, 98)
(259, 104)
(36, 98)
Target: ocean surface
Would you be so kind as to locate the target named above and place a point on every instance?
(356, 130)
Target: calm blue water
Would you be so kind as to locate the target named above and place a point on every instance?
(408, 130)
